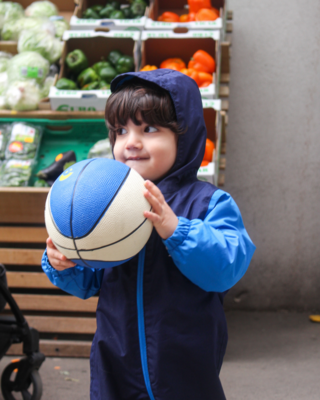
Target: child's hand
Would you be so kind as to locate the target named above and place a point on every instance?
(57, 259)
(163, 218)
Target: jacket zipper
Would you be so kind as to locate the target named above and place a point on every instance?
(141, 327)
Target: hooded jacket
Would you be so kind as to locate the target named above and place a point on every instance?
(161, 329)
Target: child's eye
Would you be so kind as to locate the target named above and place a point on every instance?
(121, 131)
(150, 129)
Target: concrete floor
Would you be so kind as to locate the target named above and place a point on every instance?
(270, 356)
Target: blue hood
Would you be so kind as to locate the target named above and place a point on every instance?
(188, 106)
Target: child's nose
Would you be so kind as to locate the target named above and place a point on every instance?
(133, 141)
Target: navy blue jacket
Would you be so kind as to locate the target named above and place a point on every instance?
(161, 329)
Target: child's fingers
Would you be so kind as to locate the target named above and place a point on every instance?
(154, 202)
(154, 190)
(154, 218)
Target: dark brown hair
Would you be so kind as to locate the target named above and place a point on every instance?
(135, 99)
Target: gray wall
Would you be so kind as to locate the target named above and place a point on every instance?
(273, 150)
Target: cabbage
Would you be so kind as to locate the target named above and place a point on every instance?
(41, 9)
(10, 11)
(42, 42)
(11, 30)
(2, 102)
(23, 95)
(28, 65)
(3, 82)
(3, 64)
(45, 88)
(60, 25)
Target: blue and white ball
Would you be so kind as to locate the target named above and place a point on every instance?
(94, 213)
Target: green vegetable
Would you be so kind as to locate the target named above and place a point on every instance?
(57, 167)
(45, 88)
(12, 28)
(102, 148)
(138, 8)
(68, 164)
(77, 61)
(127, 12)
(15, 172)
(106, 11)
(101, 64)
(125, 64)
(115, 4)
(60, 25)
(104, 85)
(114, 56)
(107, 74)
(23, 95)
(40, 183)
(41, 9)
(26, 65)
(91, 86)
(4, 136)
(90, 13)
(66, 84)
(87, 76)
(117, 14)
(10, 11)
(24, 141)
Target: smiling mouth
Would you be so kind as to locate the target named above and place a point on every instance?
(136, 159)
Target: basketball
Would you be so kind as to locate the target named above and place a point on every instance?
(94, 213)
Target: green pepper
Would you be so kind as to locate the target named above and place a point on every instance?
(97, 8)
(106, 11)
(114, 56)
(115, 4)
(138, 8)
(125, 64)
(90, 13)
(103, 85)
(117, 14)
(87, 76)
(66, 84)
(77, 61)
(107, 74)
(101, 64)
(127, 12)
(91, 86)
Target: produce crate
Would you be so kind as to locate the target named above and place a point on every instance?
(66, 323)
(158, 7)
(95, 45)
(157, 46)
(77, 22)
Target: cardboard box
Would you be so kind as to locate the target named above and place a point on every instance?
(78, 23)
(158, 7)
(95, 45)
(212, 116)
(157, 46)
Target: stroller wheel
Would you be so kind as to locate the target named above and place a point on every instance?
(32, 391)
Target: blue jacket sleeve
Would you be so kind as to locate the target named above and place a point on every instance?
(80, 281)
(214, 253)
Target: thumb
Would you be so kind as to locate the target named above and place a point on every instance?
(50, 243)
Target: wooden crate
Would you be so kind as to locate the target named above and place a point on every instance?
(66, 323)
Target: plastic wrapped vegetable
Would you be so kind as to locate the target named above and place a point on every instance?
(41, 9)
(29, 64)
(3, 139)
(4, 60)
(101, 149)
(3, 82)
(60, 25)
(24, 141)
(23, 95)
(12, 29)
(45, 88)
(16, 172)
(10, 11)
(42, 42)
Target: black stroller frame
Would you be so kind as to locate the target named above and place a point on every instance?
(15, 329)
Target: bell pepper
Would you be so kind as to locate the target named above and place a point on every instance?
(184, 18)
(127, 12)
(202, 61)
(191, 16)
(103, 85)
(149, 68)
(169, 16)
(208, 153)
(77, 61)
(115, 4)
(107, 74)
(138, 8)
(125, 64)
(66, 84)
(196, 5)
(204, 78)
(91, 86)
(173, 63)
(97, 8)
(206, 14)
(90, 13)
(117, 14)
(114, 56)
(192, 74)
(87, 76)
(106, 11)
(99, 65)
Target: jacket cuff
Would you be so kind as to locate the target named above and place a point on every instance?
(179, 235)
(48, 268)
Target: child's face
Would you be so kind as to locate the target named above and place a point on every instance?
(149, 150)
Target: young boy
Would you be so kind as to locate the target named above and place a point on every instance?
(161, 329)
